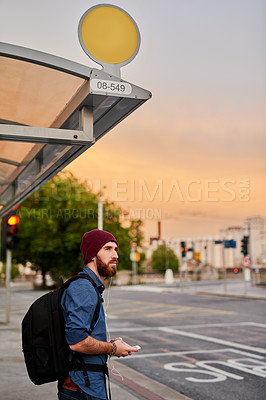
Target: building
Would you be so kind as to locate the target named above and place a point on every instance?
(211, 249)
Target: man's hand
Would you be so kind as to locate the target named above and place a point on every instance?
(123, 349)
(91, 345)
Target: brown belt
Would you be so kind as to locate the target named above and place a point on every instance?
(70, 385)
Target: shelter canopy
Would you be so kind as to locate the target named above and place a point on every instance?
(50, 113)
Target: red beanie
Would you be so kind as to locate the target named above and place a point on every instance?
(93, 241)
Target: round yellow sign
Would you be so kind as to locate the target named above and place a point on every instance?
(109, 35)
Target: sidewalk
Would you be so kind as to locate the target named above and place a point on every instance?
(135, 386)
(234, 289)
(17, 386)
(230, 288)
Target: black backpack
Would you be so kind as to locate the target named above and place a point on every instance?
(43, 336)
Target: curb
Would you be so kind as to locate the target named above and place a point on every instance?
(146, 387)
(232, 296)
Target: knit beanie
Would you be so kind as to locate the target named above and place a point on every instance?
(93, 241)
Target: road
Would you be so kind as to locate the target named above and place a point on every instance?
(203, 347)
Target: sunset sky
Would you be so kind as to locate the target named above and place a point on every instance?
(194, 156)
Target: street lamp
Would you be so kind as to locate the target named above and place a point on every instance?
(100, 209)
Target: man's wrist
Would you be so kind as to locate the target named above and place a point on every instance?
(114, 348)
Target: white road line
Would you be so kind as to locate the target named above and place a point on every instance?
(214, 340)
(255, 324)
(178, 353)
(118, 329)
(225, 324)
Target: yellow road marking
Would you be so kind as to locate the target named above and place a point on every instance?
(151, 310)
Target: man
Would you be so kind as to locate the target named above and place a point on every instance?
(79, 301)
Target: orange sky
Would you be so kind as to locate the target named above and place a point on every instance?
(187, 152)
(201, 175)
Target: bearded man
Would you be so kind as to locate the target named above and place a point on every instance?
(79, 301)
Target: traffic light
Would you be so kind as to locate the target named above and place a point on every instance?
(197, 255)
(244, 245)
(11, 230)
(183, 249)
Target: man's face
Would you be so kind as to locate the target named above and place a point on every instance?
(107, 260)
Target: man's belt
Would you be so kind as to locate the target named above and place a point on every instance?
(89, 367)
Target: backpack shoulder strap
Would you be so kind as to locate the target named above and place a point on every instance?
(100, 299)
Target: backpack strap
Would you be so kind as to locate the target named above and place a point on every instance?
(84, 367)
(100, 299)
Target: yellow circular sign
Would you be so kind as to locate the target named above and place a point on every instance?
(109, 35)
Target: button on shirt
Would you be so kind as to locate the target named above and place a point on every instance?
(79, 301)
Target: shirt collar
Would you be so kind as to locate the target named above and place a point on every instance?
(96, 279)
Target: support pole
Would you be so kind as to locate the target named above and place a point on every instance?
(100, 213)
(134, 265)
(224, 267)
(8, 278)
(250, 255)
(134, 272)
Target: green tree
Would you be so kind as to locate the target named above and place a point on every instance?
(164, 257)
(137, 238)
(14, 271)
(136, 232)
(53, 221)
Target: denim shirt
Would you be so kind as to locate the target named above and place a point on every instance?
(79, 301)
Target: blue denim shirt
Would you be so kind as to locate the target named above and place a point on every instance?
(79, 301)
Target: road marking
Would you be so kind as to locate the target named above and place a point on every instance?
(219, 374)
(140, 329)
(190, 368)
(180, 353)
(257, 324)
(119, 329)
(206, 364)
(151, 310)
(213, 340)
(226, 324)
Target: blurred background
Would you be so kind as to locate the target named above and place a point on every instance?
(189, 164)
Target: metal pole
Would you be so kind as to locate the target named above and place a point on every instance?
(206, 252)
(250, 255)
(134, 271)
(180, 272)
(224, 267)
(0, 239)
(100, 213)
(183, 273)
(245, 282)
(186, 261)
(8, 278)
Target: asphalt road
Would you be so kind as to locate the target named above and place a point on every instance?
(203, 347)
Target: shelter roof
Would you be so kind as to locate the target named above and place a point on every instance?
(51, 111)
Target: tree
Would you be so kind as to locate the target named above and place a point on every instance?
(14, 271)
(163, 258)
(137, 238)
(136, 232)
(53, 221)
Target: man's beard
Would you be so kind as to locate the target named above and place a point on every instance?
(105, 269)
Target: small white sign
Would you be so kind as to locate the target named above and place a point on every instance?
(246, 261)
(105, 86)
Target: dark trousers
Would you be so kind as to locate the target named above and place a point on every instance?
(65, 394)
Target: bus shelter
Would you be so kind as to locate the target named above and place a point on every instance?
(51, 111)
